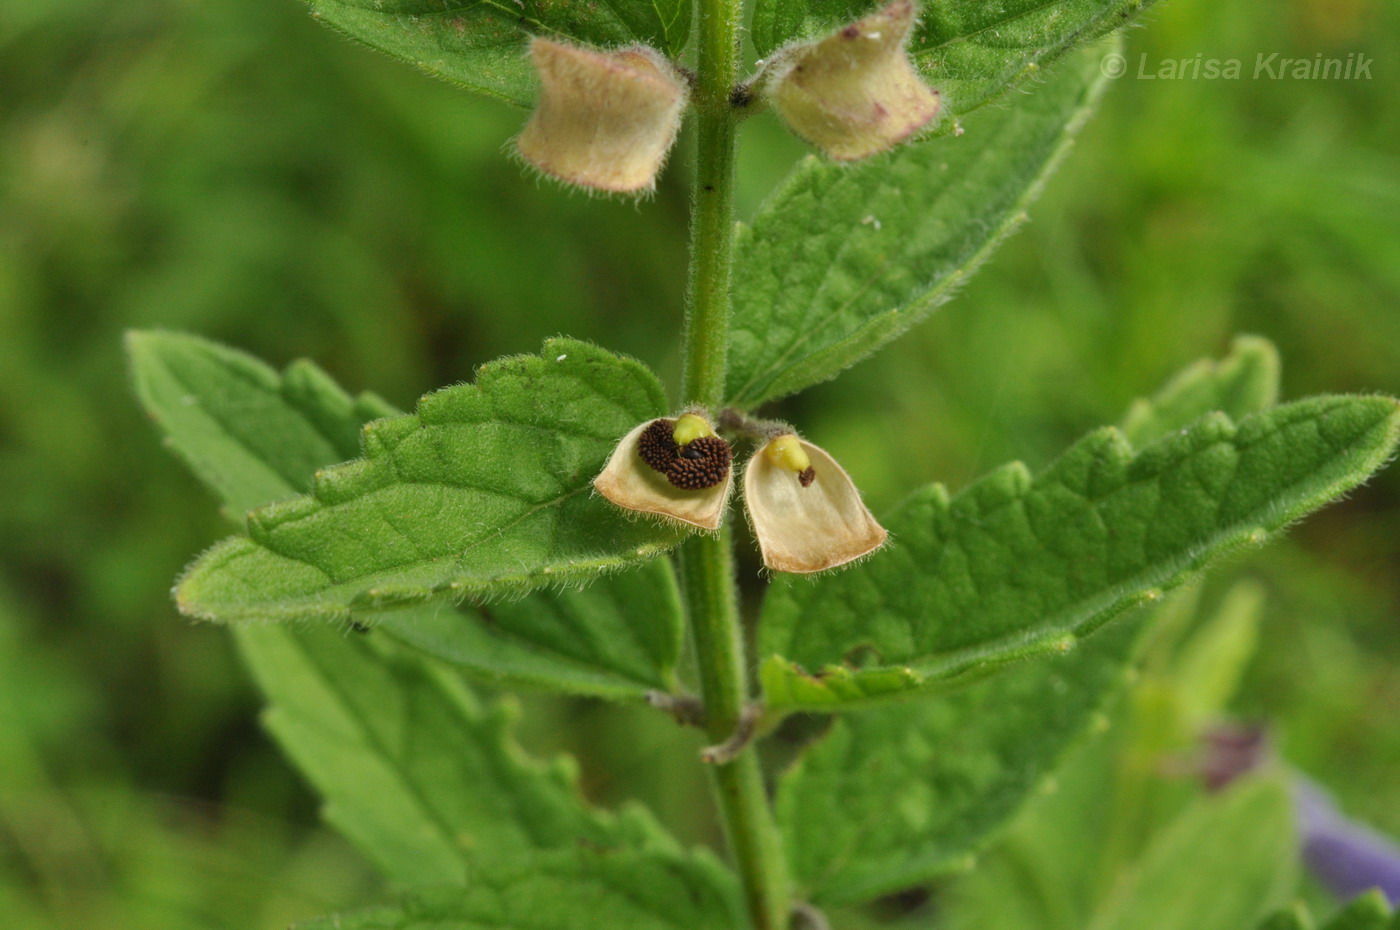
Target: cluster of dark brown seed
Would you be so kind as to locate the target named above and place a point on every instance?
(702, 463)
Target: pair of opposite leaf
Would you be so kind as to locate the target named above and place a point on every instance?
(803, 507)
(606, 120)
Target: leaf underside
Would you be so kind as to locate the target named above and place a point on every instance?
(619, 637)
(580, 887)
(1368, 911)
(251, 434)
(481, 46)
(895, 796)
(411, 767)
(486, 491)
(1243, 382)
(844, 258)
(1014, 565)
(1222, 864)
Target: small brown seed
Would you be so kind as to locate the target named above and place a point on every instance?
(699, 464)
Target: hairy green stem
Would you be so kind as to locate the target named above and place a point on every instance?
(712, 206)
(707, 562)
(707, 579)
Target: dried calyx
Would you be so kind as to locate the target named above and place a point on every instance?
(677, 469)
(854, 93)
(804, 508)
(605, 120)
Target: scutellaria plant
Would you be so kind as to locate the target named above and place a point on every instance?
(566, 521)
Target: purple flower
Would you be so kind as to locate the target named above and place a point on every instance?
(1346, 856)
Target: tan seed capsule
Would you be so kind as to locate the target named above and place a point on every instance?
(605, 120)
(804, 508)
(854, 93)
(650, 471)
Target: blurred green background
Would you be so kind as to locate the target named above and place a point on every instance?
(232, 169)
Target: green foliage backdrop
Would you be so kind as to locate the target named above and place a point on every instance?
(231, 168)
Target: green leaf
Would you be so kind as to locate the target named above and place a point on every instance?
(1368, 911)
(1070, 848)
(618, 638)
(970, 52)
(412, 768)
(482, 46)
(1241, 383)
(1221, 866)
(1213, 661)
(487, 489)
(251, 434)
(581, 887)
(895, 796)
(1016, 565)
(254, 436)
(842, 259)
(1296, 917)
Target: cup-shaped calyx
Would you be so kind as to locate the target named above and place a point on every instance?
(854, 93)
(677, 469)
(805, 511)
(604, 120)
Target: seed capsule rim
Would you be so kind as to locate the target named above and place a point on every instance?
(779, 533)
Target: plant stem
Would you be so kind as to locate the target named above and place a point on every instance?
(707, 562)
(712, 205)
(707, 579)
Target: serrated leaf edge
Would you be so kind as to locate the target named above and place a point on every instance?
(784, 680)
(348, 479)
